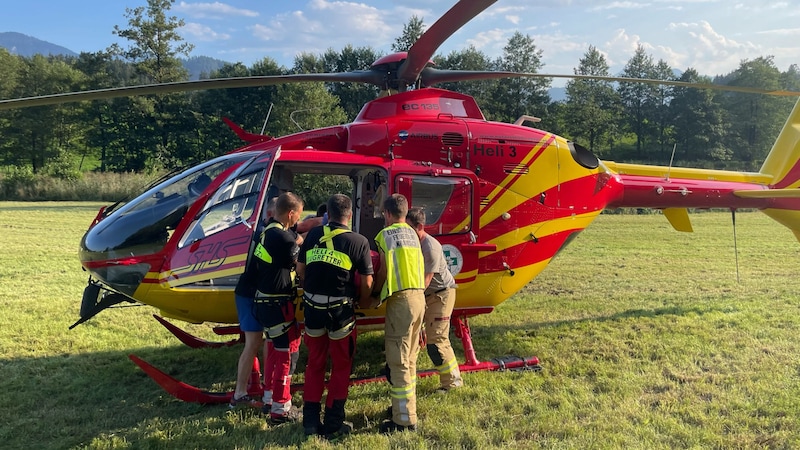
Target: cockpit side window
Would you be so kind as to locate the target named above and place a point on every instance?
(233, 203)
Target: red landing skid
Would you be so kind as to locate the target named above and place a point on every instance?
(189, 393)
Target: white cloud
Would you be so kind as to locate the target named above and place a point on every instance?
(620, 5)
(203, 33)
(214, 10)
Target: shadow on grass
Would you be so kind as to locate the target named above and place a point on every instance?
(68, 401)
(490, 339)
(103, 399)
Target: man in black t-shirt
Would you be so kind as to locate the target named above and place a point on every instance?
(274, 258)
(330, 259)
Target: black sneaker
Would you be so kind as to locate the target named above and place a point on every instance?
(293, 415)
(266, 408)
(244, 400)
(390, 426)
(343, 431)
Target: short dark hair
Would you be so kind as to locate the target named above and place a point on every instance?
(339, 207)
(322, 209)
(396, 205)
(415, 217)
(288, 201)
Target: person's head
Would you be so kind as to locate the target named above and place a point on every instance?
(271, 205)
(288, 208)
(340, 209)
(416, 218)
(395, 208)
(322, 209)
(283, 179)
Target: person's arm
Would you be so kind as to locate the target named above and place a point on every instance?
(300, 269)
(428, 278)
(364, 291)
(377, 284)
(306, 225)
(429, 263)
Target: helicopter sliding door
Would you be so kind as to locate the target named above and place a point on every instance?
(449, 199)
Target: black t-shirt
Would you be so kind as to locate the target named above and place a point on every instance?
(327, 279)
(276, 277)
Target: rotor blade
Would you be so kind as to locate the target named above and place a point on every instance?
(365, 76)
(421, 52)
(431, 76)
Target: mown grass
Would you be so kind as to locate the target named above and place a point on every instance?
(646, 338)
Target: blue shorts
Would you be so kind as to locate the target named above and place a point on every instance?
(244, 309)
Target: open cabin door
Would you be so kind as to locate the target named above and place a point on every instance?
(213, 249)
(449, 198)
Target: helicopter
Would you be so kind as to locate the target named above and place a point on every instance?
(502, 198)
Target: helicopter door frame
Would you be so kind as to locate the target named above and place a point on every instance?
(217, 254)
(450, 198)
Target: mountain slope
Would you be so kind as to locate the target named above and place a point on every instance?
(24, 45)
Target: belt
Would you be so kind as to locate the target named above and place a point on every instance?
(319, 301)
(260, 297)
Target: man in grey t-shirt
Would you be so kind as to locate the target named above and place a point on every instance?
(440, 297)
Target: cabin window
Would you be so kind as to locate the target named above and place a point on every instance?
(447, 201)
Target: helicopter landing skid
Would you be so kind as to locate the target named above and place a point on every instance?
(196, 342)
(188, 393)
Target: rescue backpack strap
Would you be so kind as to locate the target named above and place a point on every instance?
(260, 251)
(328, 235)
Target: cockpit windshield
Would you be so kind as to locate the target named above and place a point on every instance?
(143, 225)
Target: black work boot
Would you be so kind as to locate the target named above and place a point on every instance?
(311, 423)
(334, 426)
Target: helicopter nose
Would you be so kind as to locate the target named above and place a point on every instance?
(121, 272)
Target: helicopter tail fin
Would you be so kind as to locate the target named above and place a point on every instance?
(783, 160)
(783, 165)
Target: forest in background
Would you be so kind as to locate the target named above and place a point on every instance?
(630, 122)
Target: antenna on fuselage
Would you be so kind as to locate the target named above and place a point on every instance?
(266, 119)
(670, 159)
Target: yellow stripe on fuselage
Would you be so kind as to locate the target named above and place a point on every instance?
(513, 185)
(543, 229)
(178, 271)
(688, 173)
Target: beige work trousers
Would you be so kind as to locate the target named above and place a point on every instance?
(404, 314)
(438, 309)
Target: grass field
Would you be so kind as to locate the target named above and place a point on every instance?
(647, 340)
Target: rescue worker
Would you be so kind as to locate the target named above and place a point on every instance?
(401, 281)
(440, 298)
(275, 258)
(253, 332)
(330, 259)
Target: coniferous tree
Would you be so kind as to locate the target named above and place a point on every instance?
(697, 120)
(638, 98)
(592, 106)
(412, 30)
(159, 123)
(514, 97)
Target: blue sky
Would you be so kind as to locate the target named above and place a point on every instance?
(710, 35)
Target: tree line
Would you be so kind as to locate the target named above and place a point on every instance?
(631, 122)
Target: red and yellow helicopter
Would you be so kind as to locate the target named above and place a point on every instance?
(502, 198)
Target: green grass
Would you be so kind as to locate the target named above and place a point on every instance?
(646, 338)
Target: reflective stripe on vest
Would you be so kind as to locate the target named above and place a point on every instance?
(327, 254)
(405, 266)
(260, 251)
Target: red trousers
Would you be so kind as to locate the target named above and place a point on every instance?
(341, 352)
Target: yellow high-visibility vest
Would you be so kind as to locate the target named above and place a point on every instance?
(405, 265)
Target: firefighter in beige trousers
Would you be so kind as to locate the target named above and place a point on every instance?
(402, 282)
(440, 298)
